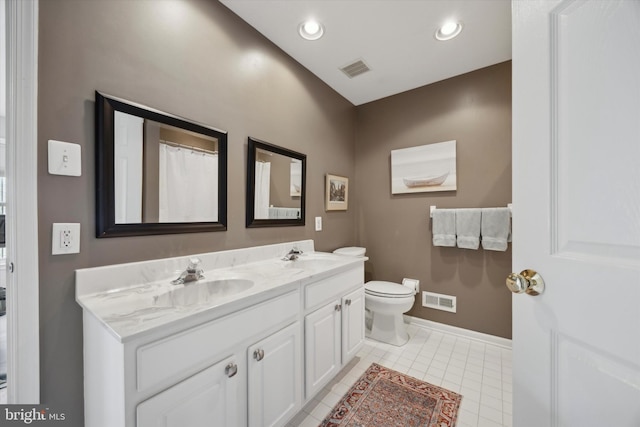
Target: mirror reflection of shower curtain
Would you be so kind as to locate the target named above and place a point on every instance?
(188, 185)
(263, 180)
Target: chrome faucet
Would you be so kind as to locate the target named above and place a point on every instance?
(191, 274)
(292, 255)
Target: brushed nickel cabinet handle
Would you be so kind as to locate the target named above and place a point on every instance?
(258, 354)
(231, 369)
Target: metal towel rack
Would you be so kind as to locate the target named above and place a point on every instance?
(433, 208)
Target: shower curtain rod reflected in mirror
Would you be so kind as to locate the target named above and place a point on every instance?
(187, 147)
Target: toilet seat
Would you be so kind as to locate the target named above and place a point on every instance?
(387, 289)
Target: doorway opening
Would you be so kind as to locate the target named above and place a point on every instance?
(19, 199)
(3, 186)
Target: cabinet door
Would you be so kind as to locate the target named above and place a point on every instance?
(210, 396)
(322, 346)
(352, 324)
(275, 378)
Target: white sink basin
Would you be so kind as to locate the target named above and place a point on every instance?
(314, 261)
(202, 292)
(310, 263)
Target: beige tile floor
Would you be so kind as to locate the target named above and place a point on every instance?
(481, 372)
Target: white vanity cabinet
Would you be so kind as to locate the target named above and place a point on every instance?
(235, 360)
(212, 395)
(321, 347)
(333, 333)
(215, 396)
(352, 324)
(275, 378)
(198, 375)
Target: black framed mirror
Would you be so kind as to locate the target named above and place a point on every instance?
(276, 181)
(157, 173)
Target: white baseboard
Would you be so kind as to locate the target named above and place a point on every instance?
(454, 330)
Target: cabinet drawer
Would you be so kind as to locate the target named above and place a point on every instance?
(179, 355)
(333, 287)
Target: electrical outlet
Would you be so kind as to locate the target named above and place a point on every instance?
(65, 238)
(318, 223)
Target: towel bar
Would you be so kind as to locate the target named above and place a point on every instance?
(433, 208)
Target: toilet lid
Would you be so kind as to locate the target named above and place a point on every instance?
(351, 251)
(387, 289)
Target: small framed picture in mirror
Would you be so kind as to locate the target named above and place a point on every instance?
(336, 193)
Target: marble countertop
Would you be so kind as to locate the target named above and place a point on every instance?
(137, 308)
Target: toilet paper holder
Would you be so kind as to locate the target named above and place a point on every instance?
(411, 283)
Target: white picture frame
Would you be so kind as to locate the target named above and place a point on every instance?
(424, 168)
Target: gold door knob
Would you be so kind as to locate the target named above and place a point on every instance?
(528, 281)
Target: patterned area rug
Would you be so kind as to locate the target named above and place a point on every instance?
(385, 398)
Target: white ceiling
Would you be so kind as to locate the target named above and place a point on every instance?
(395, 38)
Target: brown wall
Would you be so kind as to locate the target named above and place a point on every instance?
(475, 110)
(280, 188)
(151, 172)
(194, 59)
(279, 180)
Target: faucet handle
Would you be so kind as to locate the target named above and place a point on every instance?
(193, 263)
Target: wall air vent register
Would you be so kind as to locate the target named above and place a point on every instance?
(439, 301)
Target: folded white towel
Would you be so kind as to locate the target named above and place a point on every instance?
(496, 226)
(468, 228)
(444, 227)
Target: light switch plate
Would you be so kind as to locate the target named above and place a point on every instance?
(318, 223)
(64, 158)
(65, 238)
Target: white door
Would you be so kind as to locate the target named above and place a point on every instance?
(352, 324)
(127, 153)
(321, 347)
(207, 398)
(23, 337)
(275, 378)
(576, 212)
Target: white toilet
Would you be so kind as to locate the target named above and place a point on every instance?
(386, 302)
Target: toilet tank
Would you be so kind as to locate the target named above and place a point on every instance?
(351, 251)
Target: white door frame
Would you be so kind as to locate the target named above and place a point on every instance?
(23, 332)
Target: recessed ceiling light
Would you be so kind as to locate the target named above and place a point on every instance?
(311, 30)
(449, 30)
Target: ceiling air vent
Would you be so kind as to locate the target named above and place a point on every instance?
(355, 68)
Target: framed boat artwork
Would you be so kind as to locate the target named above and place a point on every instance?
(425, 168)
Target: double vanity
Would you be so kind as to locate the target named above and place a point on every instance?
(247, 344)
(248, 340)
